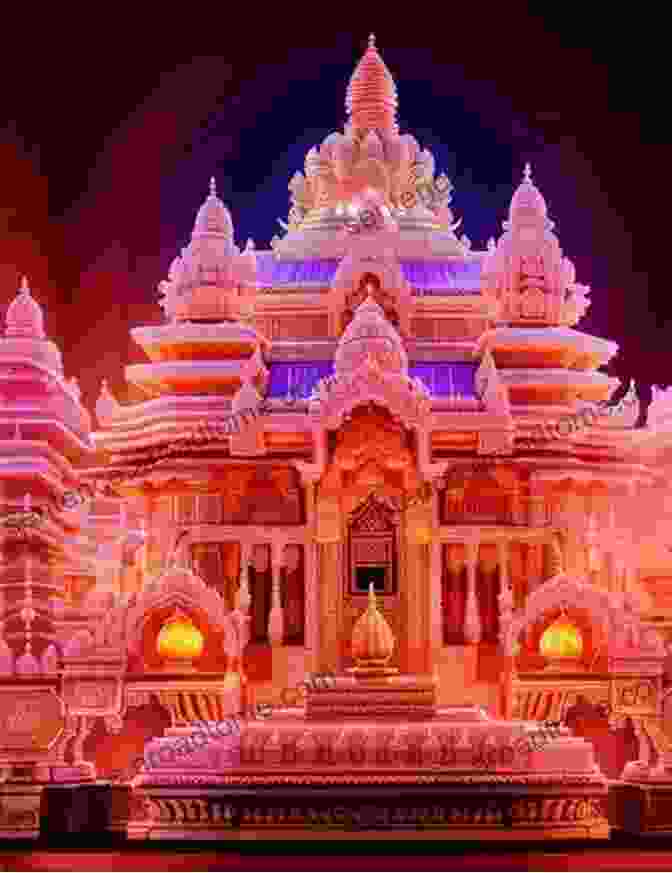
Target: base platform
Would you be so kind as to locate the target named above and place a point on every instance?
(467, 810)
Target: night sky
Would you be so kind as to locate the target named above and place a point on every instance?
(110, 129)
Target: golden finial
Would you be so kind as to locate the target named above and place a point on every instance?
(372, 41)
(213, 187)
(372, 641)
(527, 173)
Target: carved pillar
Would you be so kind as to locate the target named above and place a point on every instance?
(488, 600)
(414, 592)
(503, 562)
(152, 551)
(505, 608)
(294, 595)
(472, 620)
(85, 728)
(537, 505)
(435, 574)
(577, 524)
(534, 565)
(276, 619)
(453, 599)
(311, 574)
(329, 528)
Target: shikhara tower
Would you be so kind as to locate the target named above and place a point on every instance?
(388, 494)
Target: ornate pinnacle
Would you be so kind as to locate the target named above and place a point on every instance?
(25, 288)
(213, 187)
(372, 41)
(527, 173)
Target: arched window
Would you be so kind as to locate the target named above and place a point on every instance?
(373, 549)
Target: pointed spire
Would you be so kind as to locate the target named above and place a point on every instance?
(528, 206)
(371, 99)
(213, 218)
(106, 405)
(24, 315)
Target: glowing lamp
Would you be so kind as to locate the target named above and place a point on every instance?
(561, 641)
(179, 642)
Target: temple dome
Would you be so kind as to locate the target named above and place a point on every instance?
(24, 315)
(370, 336)
(371, 99)
(527, 204)
(213, 218)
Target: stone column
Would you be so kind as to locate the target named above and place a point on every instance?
(311, 576)
(488, 565)
(503, 562)
(153, 559)
(454, 566)
(245, 560)
(505, 608)
(329, 532)
(276, 618)
(472, 619)
(415, 593)
(435, 581)
(537, 505)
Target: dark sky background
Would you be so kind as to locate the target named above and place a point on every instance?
(111, 127)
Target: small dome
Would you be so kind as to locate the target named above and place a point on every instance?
(527, 204)
(24, 315)
(213, 218)
(180, 639)
(561, 639)
(370, 336)
(371, 100)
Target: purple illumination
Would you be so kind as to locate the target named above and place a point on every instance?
(444, 378)
(297, 379)
(426, 277)
(273, 272)
(441, 378)
(441, 277)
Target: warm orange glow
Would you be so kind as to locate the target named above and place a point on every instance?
(180, 639)
(561, 640)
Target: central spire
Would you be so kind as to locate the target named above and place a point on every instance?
(371, 100)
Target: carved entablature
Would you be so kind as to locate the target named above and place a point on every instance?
(245, 495)
(479, 498)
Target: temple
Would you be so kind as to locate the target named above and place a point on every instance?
(370, 453)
